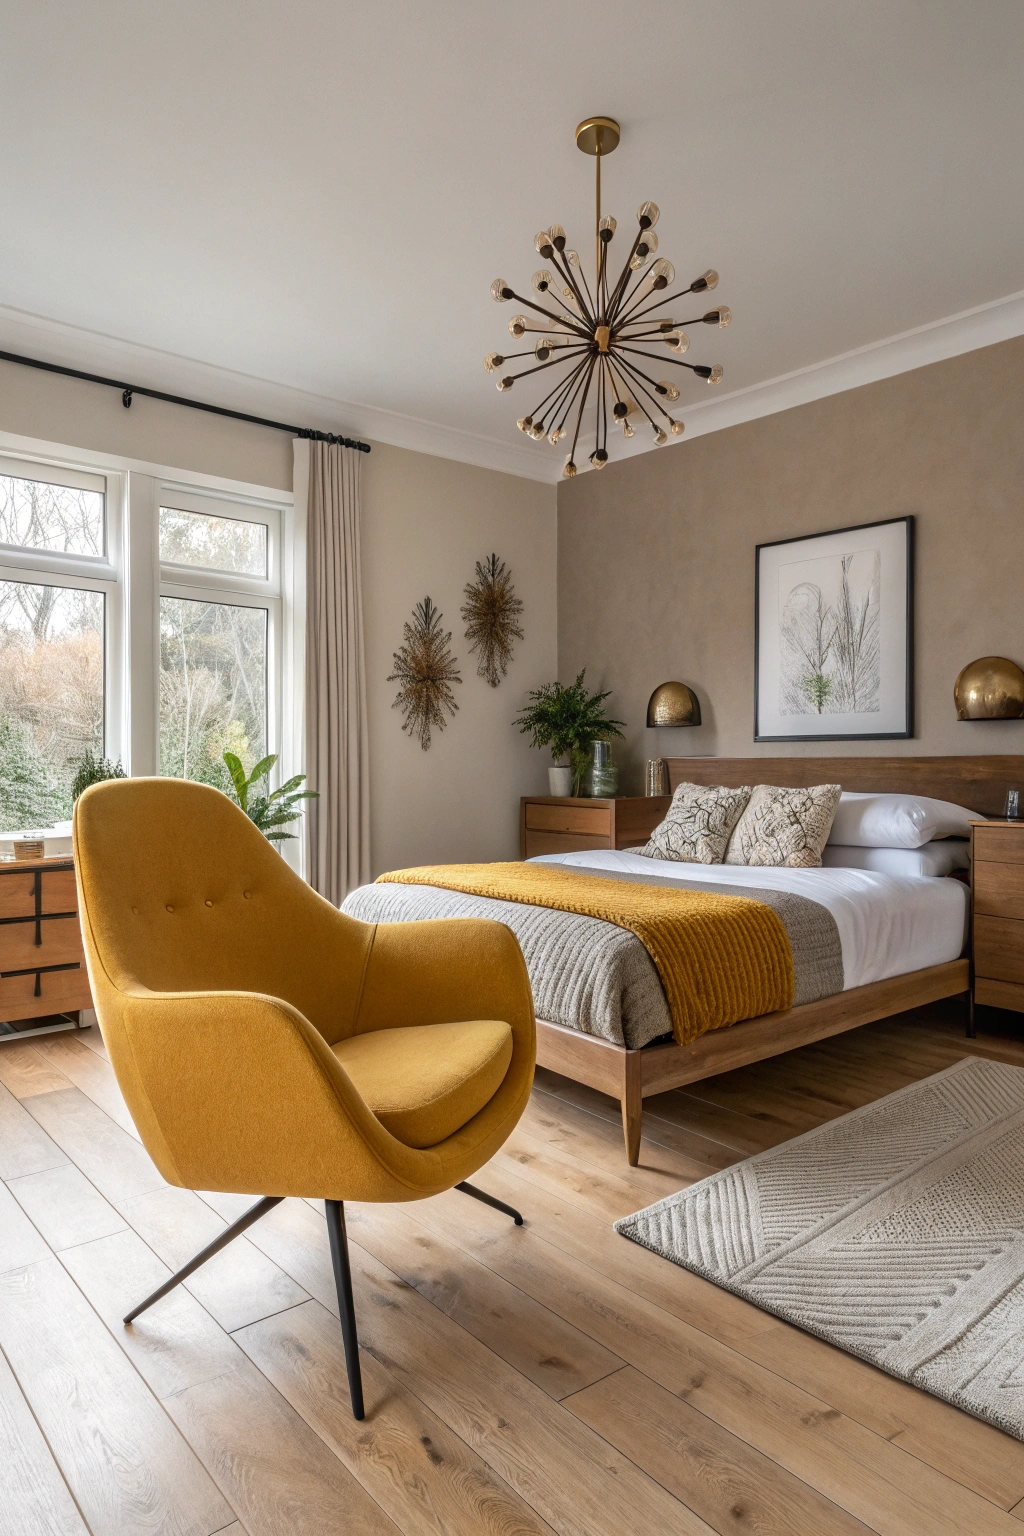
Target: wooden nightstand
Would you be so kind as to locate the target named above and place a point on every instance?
(571, 825)
(997, 886)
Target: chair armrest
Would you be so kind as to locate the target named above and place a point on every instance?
(268, 1108)
(443, 970)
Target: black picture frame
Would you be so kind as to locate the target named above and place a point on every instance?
(908, 731)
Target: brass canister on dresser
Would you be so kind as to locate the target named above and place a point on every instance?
(42, 964)
(997, 888)
(572, 824)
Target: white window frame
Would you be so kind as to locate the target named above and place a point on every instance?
(132, 578)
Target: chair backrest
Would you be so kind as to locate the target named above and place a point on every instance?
(180, 892)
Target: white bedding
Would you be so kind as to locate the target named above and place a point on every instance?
(888, 924)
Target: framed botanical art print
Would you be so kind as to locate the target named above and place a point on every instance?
(833, 635)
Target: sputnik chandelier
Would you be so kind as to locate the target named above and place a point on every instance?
(603, 336)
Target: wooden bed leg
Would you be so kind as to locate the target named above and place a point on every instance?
(632, 1105)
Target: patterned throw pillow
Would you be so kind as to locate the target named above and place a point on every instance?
(784, 827)
(697, 827)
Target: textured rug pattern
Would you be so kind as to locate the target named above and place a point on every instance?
(895, 1232)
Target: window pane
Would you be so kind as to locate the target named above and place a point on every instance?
(51, 698)
(214, 543)
(213, 687)
(36, 515)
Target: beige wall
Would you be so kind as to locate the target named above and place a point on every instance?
(426, 521)
(656, 553)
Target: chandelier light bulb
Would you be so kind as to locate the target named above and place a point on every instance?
(597, 326)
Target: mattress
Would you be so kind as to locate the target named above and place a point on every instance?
(598, 978)
(888, 924)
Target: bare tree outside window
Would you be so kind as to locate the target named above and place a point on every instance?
(58, 518)
(213, 543)
(213, 687)
(51, 697)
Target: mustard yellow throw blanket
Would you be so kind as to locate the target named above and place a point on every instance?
(720, 958)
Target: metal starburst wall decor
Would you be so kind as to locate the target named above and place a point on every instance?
(603, 335)
(425, 668)
(491, 612)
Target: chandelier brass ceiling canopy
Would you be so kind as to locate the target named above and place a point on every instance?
(602, 336)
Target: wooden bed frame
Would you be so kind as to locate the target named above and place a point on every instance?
(979, 783)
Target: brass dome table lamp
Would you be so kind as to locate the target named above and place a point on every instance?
(673, 704)
(991, 688)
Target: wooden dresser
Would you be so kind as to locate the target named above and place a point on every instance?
(571, 824)
(997, 885)
(42, 965)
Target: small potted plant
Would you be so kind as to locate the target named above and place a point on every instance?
(567, 719)
(269, 810)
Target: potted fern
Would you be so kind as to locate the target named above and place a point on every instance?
(567, 719)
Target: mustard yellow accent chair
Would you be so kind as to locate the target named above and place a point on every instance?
(267, 1044)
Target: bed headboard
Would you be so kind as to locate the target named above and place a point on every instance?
(980, 783)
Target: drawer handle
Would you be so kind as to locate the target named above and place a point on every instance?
(39, 971)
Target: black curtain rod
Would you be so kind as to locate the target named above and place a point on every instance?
(128, 390)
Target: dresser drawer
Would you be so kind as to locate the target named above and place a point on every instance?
(999, 994)
(61, 943)
(593, 820)
(560, 842)
(59, 892)
(17, 892)
(1003, 845)
(59, 992)
(999, 948)
(998, 889)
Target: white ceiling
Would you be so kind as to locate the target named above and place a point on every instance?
(318, 193)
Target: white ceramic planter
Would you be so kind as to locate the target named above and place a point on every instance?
(560, 781)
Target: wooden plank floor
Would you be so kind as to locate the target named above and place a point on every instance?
(549, 1379)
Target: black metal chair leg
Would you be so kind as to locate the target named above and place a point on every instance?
(346, 1304)
(499, 1205)
(228, 1235)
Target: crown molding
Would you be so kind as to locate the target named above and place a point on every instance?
(53, 341)
(983, 326)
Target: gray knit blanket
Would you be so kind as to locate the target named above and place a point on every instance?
(596, 977)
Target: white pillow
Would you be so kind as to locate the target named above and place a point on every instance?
(940, 858)
(897, 821)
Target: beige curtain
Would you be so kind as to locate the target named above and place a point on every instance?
(337, 760)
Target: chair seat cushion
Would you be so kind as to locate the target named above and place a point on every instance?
(426, 1081)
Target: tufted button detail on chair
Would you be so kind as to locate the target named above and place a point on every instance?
(247, 894)
(209, 903)
(425, 1081)
(136, 911)
(169, 908)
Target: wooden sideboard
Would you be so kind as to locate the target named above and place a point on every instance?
(42, 964)
(572, 824)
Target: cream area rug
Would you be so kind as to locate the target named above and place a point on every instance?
(895, 1232)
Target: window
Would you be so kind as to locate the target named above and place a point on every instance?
(55, 582)
(219, 634)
